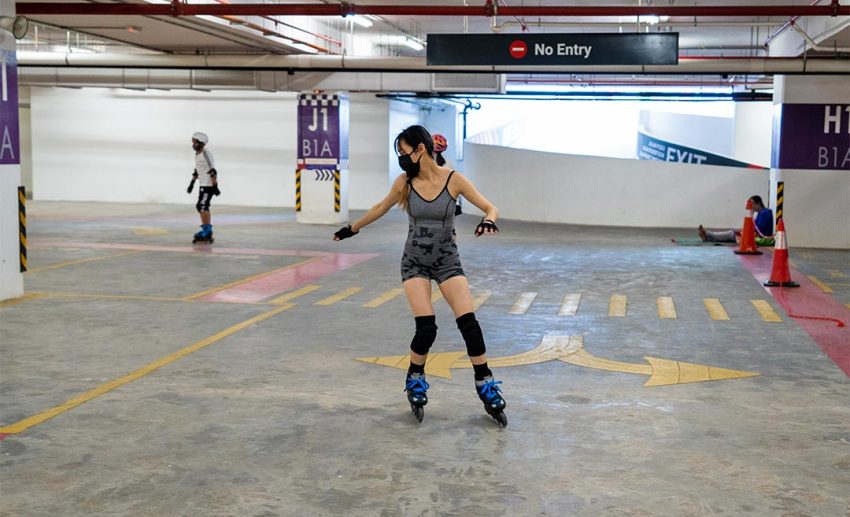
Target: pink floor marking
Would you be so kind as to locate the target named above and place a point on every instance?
(198, 248)
(295, 277)
(809, 300)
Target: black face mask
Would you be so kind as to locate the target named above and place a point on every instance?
(197, 147)
(408, 165)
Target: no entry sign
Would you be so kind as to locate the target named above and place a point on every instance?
(553, 49)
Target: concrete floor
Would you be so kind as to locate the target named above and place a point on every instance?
(277, 417)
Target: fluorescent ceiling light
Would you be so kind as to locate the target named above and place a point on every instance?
(362, 21)
(412, 43)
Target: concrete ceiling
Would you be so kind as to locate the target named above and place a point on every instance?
(216, 35)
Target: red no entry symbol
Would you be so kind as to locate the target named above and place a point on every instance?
(518, 49)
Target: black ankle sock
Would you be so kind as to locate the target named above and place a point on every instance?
(481, 371)
(416, 368)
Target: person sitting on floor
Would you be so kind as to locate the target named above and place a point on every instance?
(763, 223)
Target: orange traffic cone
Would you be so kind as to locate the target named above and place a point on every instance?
(780, 276)
(748, 234)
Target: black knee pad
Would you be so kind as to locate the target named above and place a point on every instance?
(426, 333)
(472, 335)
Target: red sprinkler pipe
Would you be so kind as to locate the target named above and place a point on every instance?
(346, 9)
(278, 22)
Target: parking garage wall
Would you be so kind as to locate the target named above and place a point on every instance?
(134, 146)
(558, 188)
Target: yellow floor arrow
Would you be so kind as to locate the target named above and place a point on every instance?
(570, 349)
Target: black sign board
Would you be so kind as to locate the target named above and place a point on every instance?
(554, 49)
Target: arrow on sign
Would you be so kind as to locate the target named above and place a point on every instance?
(324, 175)
(570, 349)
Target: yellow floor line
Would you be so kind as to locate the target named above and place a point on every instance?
(146, 230)
(83, 261)
(480, 299)
(106, 296)
(834, 273)
(617, 306)
(823, 287)
(345, 293)
(20, 299)
(569, 307)
(766, 311)
(295, 294)
(847, 305)
(436, 295)
(715, 309)
(248, 279)
(666, 308)
(522, 304)
(384, 298)
(26, 423)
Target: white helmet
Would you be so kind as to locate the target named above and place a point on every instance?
(201, 137)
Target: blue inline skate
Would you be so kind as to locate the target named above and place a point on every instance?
(205, 235)
(417, 394)
(490, 394)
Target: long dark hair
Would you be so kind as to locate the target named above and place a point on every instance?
(413, 136)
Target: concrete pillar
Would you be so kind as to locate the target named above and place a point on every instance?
(811, 155)
(321, 178)
(11, 278)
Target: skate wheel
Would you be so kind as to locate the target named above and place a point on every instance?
(502, 418)
(418, 412)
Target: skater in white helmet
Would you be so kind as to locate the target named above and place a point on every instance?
(207, 176)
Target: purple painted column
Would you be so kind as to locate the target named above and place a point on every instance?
(11, 279)
(811, 158)
(321, 178)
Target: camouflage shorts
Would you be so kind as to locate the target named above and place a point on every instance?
(430, 253)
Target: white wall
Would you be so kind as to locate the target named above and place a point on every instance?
(401, 115)
(753, 132)
(548, 187)
(817, 208)
(26, 137)
(128, 146)
(715, 134)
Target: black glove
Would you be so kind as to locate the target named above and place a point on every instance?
(191, 185)
(484, 225)
(216, 191)
(345, 232)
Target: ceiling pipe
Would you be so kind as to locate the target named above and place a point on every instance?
(639, 81)
(613, 25)
(247, 80)
(813, 45)
(322, 37)
(177, 8)
(270, 32)
(786, 25)
(335, 63)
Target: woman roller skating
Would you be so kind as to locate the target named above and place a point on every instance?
(428, 192)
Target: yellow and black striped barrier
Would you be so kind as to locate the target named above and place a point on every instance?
(22, 226)
(336, 191)
(297, 190)
(780, 198)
